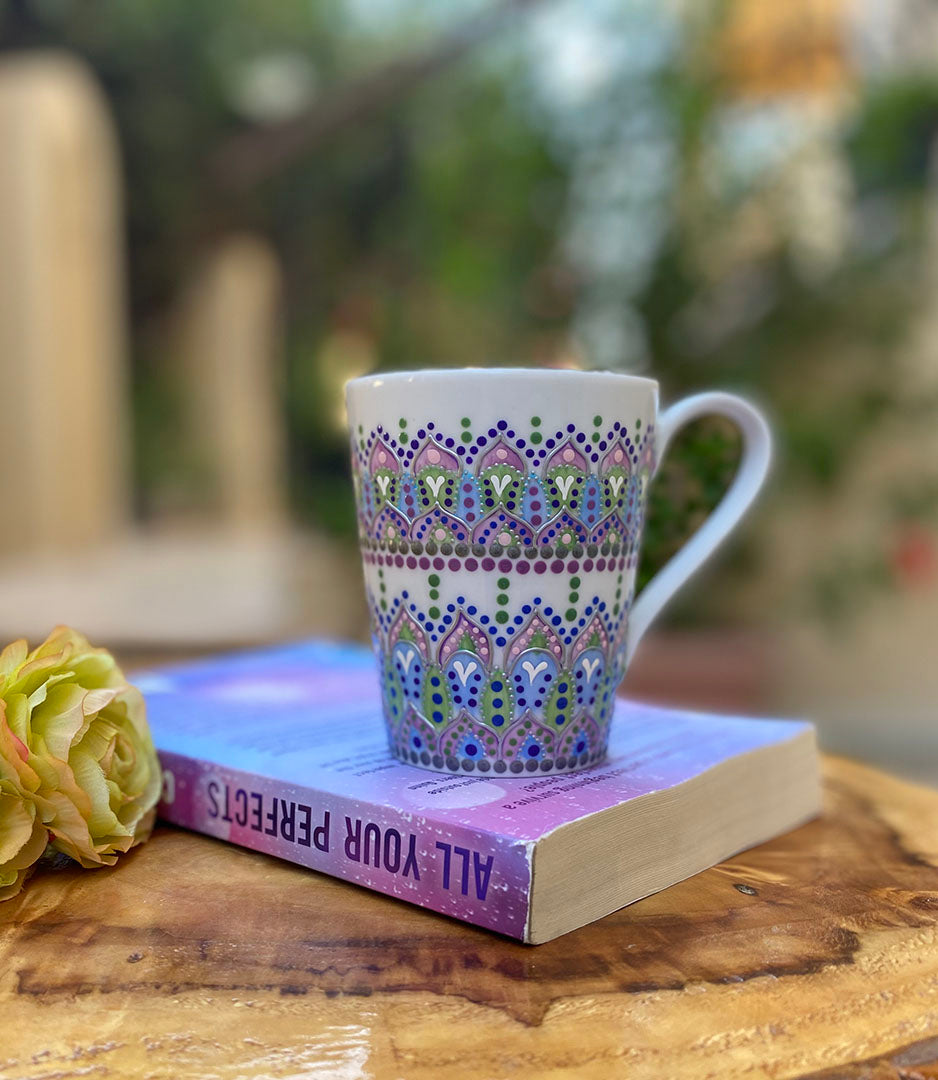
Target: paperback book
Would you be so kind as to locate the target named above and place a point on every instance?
(284, 751)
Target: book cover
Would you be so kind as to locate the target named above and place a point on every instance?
(284, 751)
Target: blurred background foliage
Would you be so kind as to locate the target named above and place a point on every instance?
(599, 184)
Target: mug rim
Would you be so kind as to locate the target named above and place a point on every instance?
(445, 374)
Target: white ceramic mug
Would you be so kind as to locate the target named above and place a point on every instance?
(500, 517)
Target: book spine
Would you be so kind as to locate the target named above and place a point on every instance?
(476, 876)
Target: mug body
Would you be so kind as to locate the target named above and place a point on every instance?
(500, 517)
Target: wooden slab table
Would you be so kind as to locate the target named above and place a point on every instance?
(812, 956)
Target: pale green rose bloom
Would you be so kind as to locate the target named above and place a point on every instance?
(75, 752)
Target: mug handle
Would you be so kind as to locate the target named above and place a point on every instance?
(753, 468)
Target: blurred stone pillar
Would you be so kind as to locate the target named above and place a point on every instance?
(229, 374)
(63, 428)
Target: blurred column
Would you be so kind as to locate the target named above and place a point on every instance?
(230, 376)
(63, 430)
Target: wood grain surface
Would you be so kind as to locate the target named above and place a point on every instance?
(814, 955)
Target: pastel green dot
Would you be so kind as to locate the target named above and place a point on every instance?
(535, 421)
(466, 437)
(434, 580)
(384, 605)
(502, 598)
(595, 436)
(574, 583)
(536, 437)
(570, 614)
(403, 422)
(501, 617)
(638, 424)
(434, 613)
(465, 421)
(574, 596)
(434, 594)
(597, 421)
(503, 583)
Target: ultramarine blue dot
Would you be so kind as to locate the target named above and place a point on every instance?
(472, 609)
(447, 619)
(561, 703)
(421, 433)
(595, 599)
(413, 607)
(418, 742)
(571, 428)
(498, 719)
(497, 703)
(582, 622)
(405, 594)
(492, 433)
(602, 605)
(526, 609)
(509, 630)
(438, 716)
(589, 611)
(496, 686)
(501, 641)
(502, 425)
(422, 617)
(548, 610)
(437, 699)
(533, 751)
(561, 719)
(471, 750)
(518, 620)
(483, 619)
(556, 620)
(459, 600)
(450, 607)
(549, 443)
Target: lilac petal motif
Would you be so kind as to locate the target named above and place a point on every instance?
(611, 524)
(502, 528)
(434, 456)
(563, 529)
(383, 457)
(439, 526)
(593, 635)
(390, 523)
(536, 635)
(566, 456)
(466, 739)
(528, 741)
(582, 741)
(501, 454)
(464, 628)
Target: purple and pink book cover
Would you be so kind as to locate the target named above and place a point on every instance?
(284, 751)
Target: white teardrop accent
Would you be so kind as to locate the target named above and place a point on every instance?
(405, 659)
(532, 670)
(434, 483)
(383, 482)
(615, 482)
(564, 483)
(500, 483)
(590, 665)
(464, 670)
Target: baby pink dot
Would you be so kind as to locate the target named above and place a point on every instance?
(565, 538)
(568, 454)
(441, 534)
(504, 539)
(618, 453)
(433, 455)
(382, 456)
(501, 453)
